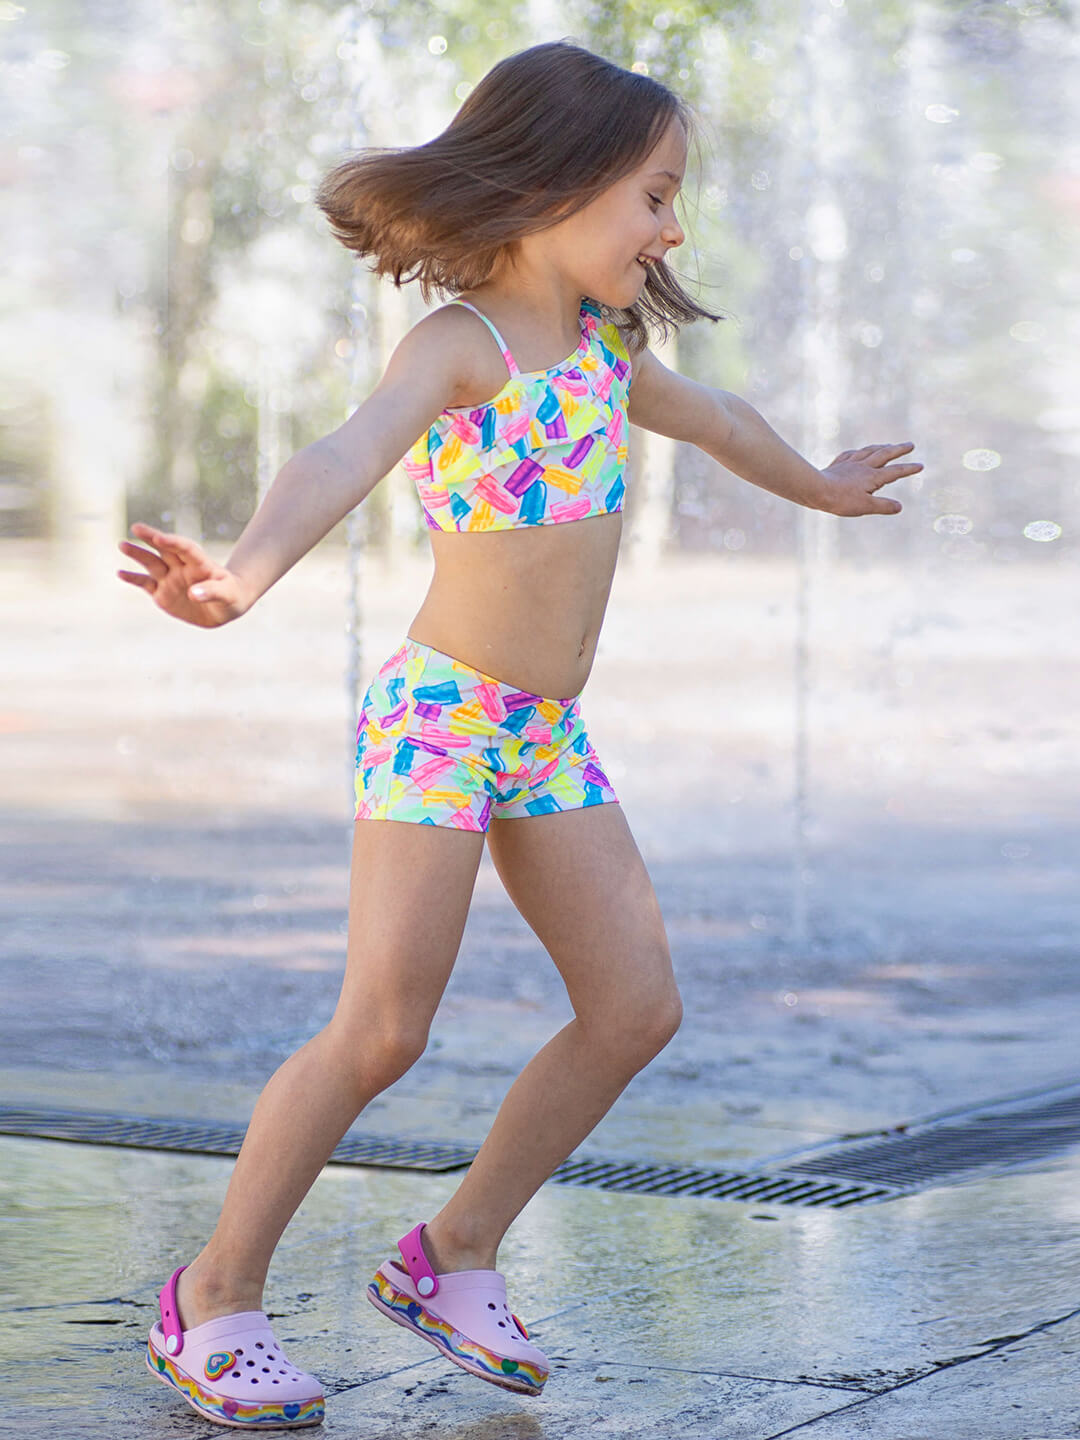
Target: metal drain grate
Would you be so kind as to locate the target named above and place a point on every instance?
(643, 1177)
(206, 1138)
(646, 1178)
(836, 1177)
(938, 1152)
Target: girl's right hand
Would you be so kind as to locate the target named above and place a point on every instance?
(174, 566)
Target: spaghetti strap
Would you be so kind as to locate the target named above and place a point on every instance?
(511, 363)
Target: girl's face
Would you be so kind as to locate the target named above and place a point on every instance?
(600, 245)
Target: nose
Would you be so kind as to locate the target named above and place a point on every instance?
(673, 233)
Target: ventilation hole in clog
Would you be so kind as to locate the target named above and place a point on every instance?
(266, 1369)
(492, 1306)
(275, 1382)
(239, 1351)
(502, 1324)
(254, 1380)
(236, 1374)
(252, 1362)
(258, 1345)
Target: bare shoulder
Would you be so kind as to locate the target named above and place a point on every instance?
(468, 356)
(635, 347)
(428, 372)
(440, 351)
(643, 363)
(638, 350)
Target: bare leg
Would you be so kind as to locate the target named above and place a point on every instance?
(578, 879)
(407, 881)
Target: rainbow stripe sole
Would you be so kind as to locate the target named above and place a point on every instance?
(233, 1412)
(477, 1359)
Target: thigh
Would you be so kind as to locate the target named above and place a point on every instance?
(409, 891)
(579, 881)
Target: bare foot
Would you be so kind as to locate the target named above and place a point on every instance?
(198, 1300)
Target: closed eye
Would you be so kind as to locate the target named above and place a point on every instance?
(657, 199)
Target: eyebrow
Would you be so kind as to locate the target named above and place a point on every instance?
(670, 174)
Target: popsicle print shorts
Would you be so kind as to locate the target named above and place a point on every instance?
(441, 743)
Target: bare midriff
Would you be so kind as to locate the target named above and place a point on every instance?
(523, 605)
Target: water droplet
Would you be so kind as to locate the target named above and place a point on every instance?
(1042, 530)
(981, 460)
(953, 525)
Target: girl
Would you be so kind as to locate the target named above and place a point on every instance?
(546, 211)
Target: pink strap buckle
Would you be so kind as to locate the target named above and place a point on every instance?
(417, 1264)
(170, 1321)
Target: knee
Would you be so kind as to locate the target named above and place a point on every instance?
(638, 1026)
(661, 1020)
(380, 1054)
(394, 1051)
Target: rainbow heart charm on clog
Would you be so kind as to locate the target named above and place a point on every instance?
(218, 1363)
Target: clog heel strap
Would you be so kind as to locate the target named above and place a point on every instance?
(170, 1314)
(417, 1263)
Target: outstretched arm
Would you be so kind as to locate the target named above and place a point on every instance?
(314, 489)
(730, 430)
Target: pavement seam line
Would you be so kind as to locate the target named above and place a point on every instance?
(721, 1374)
(937, 1370)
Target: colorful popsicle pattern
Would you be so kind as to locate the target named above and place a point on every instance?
(441, 743)
(551, 447)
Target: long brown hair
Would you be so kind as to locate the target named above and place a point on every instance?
(543, 133)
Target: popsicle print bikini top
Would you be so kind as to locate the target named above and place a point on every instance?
(550, 447)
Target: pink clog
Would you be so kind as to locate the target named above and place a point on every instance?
(464, 1314)
(232, 1370)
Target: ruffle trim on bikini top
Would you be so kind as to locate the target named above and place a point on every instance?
(550, 447)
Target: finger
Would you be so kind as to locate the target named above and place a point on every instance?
(164, 540)
(890, 473)
(886, 452)
(144, 582)
(153, 563)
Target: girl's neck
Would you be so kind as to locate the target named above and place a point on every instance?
(541, 311)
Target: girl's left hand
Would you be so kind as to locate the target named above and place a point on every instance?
(855, 475)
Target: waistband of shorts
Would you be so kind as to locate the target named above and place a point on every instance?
(419, 647)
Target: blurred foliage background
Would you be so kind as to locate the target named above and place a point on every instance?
(885, 203)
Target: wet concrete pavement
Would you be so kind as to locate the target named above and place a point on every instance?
(176, 856)
(954, 1312)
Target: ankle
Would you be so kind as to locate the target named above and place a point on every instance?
(448, 1250)
(211, 1285)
